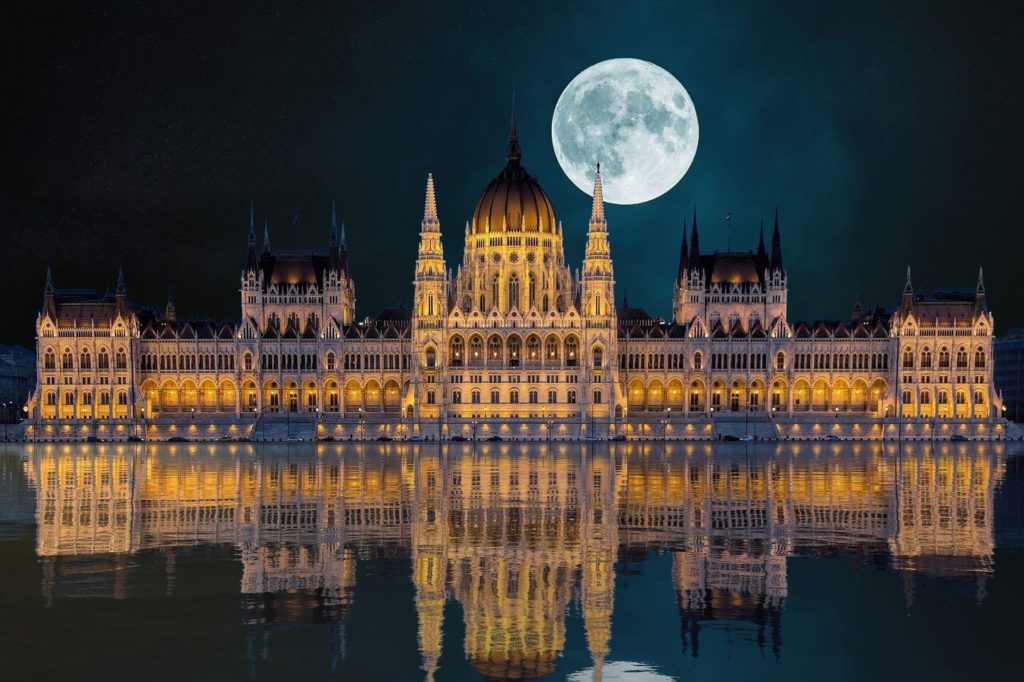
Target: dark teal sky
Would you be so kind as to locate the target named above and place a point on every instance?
(886, 134)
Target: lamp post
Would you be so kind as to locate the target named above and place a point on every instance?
(474, 425)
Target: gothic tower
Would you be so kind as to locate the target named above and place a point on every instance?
(430, 307)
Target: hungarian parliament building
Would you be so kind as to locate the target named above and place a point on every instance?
(513, 344)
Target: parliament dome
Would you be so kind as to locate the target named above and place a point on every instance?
(513, 201)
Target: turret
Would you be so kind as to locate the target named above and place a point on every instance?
(761, 253)
(121, 294)
(334, 260)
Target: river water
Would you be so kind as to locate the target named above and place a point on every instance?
(643, 562)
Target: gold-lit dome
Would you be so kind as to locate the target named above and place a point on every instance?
(514, 200)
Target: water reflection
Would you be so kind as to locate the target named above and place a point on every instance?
(517, 536)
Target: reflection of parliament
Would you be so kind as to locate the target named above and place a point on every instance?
(518, 535)
(514, 344)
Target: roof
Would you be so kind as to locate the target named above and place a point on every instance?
(293, 267)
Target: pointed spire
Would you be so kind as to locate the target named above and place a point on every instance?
(597, 209)
(908, 291)
(775, 263)
(684, 256)
(333, 250)
(48, 289)
(625, 298)
(266, 237)
(334, 220)
(343, 240)
(761, 252)
(430, 203)
(694, 241)
(169, 311)
(252, 223)
(513, 154)
(120, 282)
(979, 291)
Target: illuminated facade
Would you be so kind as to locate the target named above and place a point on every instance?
(515, 534)
(515, 344)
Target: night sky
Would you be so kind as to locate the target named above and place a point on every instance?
(135, 134)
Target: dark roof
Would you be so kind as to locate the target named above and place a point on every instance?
(293, 267)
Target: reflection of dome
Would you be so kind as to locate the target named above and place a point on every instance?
(514, 200)
(514, 665)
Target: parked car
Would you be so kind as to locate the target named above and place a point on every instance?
(495, 438)
(414, 438)
(729, 437)
(458, 439)
(177, 439)
(618, 437)
(959, 437)
(747, 438)
(385, 439)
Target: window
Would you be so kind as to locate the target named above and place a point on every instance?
(513, 291)
(51, 398)
(494, 291)
(552, 396)
(979, 358)
(513, 396)
(330, 361)
(69, 398)
(495, 396)
(476, 348)
(571, 351)
(456, 351)
(597, 397)
(598, 356)
(572, 397)
(122, 398)
(532, 284)
(247, 361)
(698, 361)
(456, 397)
(103, 360)
(49, 360)
(551, 349)
(475, 397)
(431, 397)
(431, 357)
(907, 398)
(944, 359)
(533, 397)
(908, 359)
(780, 361)
(104, 398)
(926, 358)
(961, 358)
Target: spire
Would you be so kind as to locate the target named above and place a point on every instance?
(908, 291)
(761, 253)
(430, 203)
(252, 224)
(120, 282)
(625, 298)
(343, 239)
(48, 289)
(266, 237)
(334, 221)
(775, 263)
(694, 241)
(979, 291)
(334, 262)
(684, 259)
(169, 312)
(513, 154)
(597, 209)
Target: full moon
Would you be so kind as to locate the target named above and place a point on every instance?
(632, 117)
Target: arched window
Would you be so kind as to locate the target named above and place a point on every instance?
(979, 358)
(494, 291)
(533, 397)
(247, 361)
(598, 356)
(475, 397)
(513, 396)
(69, 398)
(780, 361)
(49, 360)
(495, 396)
(476, 348)
(103, 360)
(515, 351)
(961, 358)
(494, 349)
(532, 284)
(908, 359)
(597, 397)
(431, 397)
(944, 358)
(698, 361)
(926, 358)
(513, 291)
(122, 398)
(330, 361)
(572, 396)
(431, 357)
(51, 399)
(551, 349)
(552, 396)
(104, 398)
(456, 351)
(85, 362)
(572, 351)
(457, 397)
(533, 348)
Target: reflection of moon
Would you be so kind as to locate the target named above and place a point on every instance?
(635, 119)
(621, 670)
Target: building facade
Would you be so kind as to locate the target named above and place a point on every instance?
(513, 343)
(1009, 373)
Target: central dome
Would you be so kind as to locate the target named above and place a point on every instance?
(513, 201)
